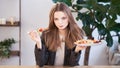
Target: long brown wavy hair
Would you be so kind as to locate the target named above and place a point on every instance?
(73, 33)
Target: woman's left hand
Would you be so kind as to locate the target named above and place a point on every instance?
(78, 48)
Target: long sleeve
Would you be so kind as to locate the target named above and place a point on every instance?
(72, 58)
(41, 55)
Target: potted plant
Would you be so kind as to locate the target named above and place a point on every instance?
(100, 15)
(5, 47)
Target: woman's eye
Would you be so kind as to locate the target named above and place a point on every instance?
(63, 18)
(55, 19)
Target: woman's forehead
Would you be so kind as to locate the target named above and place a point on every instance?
(59, 14)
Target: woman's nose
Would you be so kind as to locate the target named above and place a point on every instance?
(60, 21)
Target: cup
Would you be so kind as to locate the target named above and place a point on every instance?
(12, 20)
(2, 21)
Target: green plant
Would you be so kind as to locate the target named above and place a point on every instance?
(5, 47)
(100, 15)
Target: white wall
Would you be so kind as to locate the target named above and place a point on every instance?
(35, 14)
(9, 8)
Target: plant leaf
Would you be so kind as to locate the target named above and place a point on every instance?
(80, 1)
(76, 7)
(109, 40)
(114, 10)
(115, 6)
(101, 8)
(119, 38)
(101, 29)
(99, 16)
(91, 3)
(104, 1)
(115, 2)
(5, 47)
(68, 2)
(115, 27)
(87, 30)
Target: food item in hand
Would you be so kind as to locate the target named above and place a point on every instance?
(84, 41)
(40, 30)
(96, 41)
(88, 41)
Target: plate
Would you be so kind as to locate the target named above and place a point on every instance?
(93, 44)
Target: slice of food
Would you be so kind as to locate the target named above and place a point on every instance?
(84, 41)
(87, 42)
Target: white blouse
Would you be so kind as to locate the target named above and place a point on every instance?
(59, 59)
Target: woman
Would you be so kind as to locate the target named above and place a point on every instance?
(56, 45)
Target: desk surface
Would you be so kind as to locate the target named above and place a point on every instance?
(60, 67)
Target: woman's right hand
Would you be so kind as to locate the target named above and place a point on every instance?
(34, 35)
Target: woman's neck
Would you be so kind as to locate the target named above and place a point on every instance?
(62, 32)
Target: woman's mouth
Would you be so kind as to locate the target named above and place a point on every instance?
(61, 26)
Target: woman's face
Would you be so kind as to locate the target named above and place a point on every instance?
(61, 20)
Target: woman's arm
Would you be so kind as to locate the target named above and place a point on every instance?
(41, 55)
(75, 54)
(34, 35)
(74, 57)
